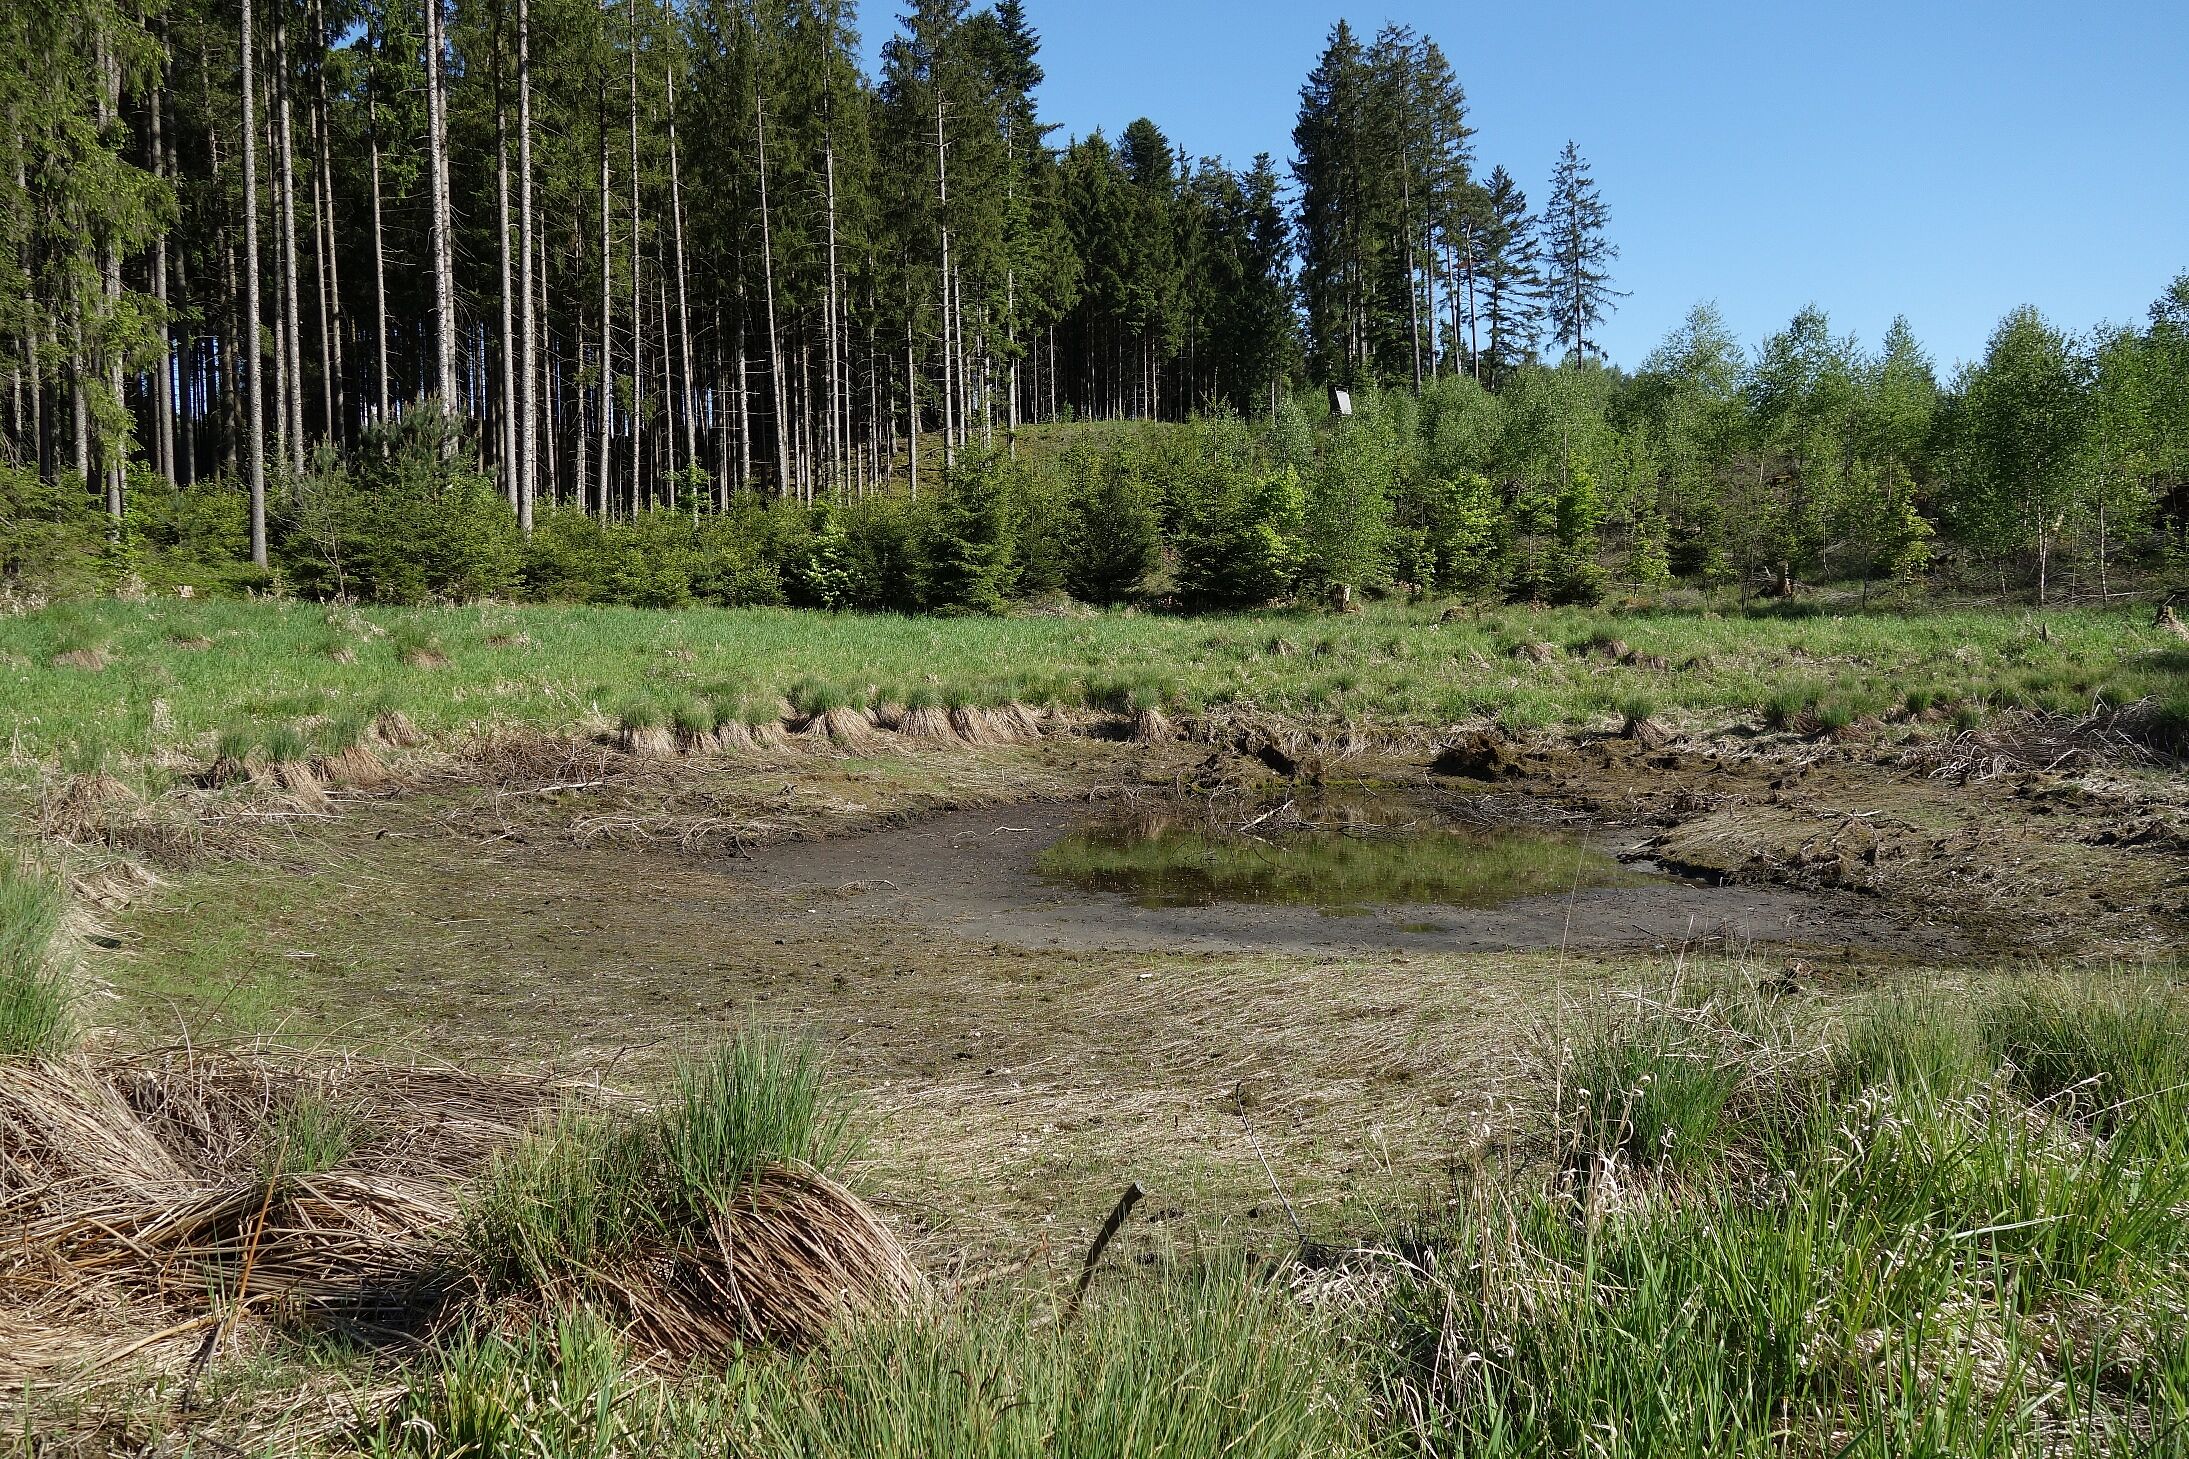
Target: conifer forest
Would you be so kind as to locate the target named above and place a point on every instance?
(618, 260)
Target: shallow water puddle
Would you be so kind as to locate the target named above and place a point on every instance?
(1336, 874)
(1342, 856)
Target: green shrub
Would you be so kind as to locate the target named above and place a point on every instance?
(403, 520)
(966, 540)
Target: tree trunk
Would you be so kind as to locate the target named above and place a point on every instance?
(767, 270)
(638, 310)
(444, 279)
(338, 411)
(942, 215)
(291, 316)
(528, 412)
(683, 290)
(605, 395)
(254, 415)
(379, 242)
(163, 398)
(833, 322)
(509, 310)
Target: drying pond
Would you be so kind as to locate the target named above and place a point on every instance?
(1347, 872)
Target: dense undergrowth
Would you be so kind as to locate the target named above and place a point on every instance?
(1934, 1226)
(121, 685)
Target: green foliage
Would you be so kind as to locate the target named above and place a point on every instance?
(50, 537)
(595, 1183)
(1238, 534)
(36, 1013)
(1216, 1362)
(1116, 527)
(966, 540)
(402, 521)
(1883, 1267)
(311, 1132)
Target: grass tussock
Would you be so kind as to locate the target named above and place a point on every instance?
(706, 1220)
(36, 1007)
(1898, 1241)
(1212, 1363)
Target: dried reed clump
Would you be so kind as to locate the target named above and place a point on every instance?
(1021, 721)
(2135, 735)
(206, 1185)
(734, 737)
(927, 722)
(791, 1257)
(650, 741)
(840, 725)
(394, 729)
(1151, 727)
(356, 767)
(87, 808)
(890, 715)
(299, 780)
(969, 722)
(704, 1222)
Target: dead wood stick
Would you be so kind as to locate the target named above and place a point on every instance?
(1108, 1233)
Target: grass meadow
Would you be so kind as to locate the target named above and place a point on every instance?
(114, 685)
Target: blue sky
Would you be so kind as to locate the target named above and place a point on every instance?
(1946, 159)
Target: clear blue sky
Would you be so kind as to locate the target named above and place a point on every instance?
(1946, 159)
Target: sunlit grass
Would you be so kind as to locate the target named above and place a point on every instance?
(553, 668)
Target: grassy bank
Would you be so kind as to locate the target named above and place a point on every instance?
(95, 683)
(1728, 1226)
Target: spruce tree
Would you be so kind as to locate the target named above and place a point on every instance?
(1577, 256)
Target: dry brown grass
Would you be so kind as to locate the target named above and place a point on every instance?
(164, 1186)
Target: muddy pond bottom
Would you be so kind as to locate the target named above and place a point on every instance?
(1342, 877)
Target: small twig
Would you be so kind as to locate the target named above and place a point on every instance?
(1125, 1203)
(1238, 1097)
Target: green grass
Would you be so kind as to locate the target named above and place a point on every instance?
(36, 1009)
(309, 1133)
(1899, 1243)
(1204, 1364)
(595, 1184)
(549, 667)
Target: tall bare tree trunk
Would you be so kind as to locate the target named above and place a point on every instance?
(509, 304)
(744, 391)
(683, 291)
(912, 414)
(528, 411)
(767, 270)
(163, 396)
(379, 246)
(942, 214)
(605, 395)
(836, 405)
(444, 280)
(638, 309)
(254, 411)
(290, 316)
(338, 409)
